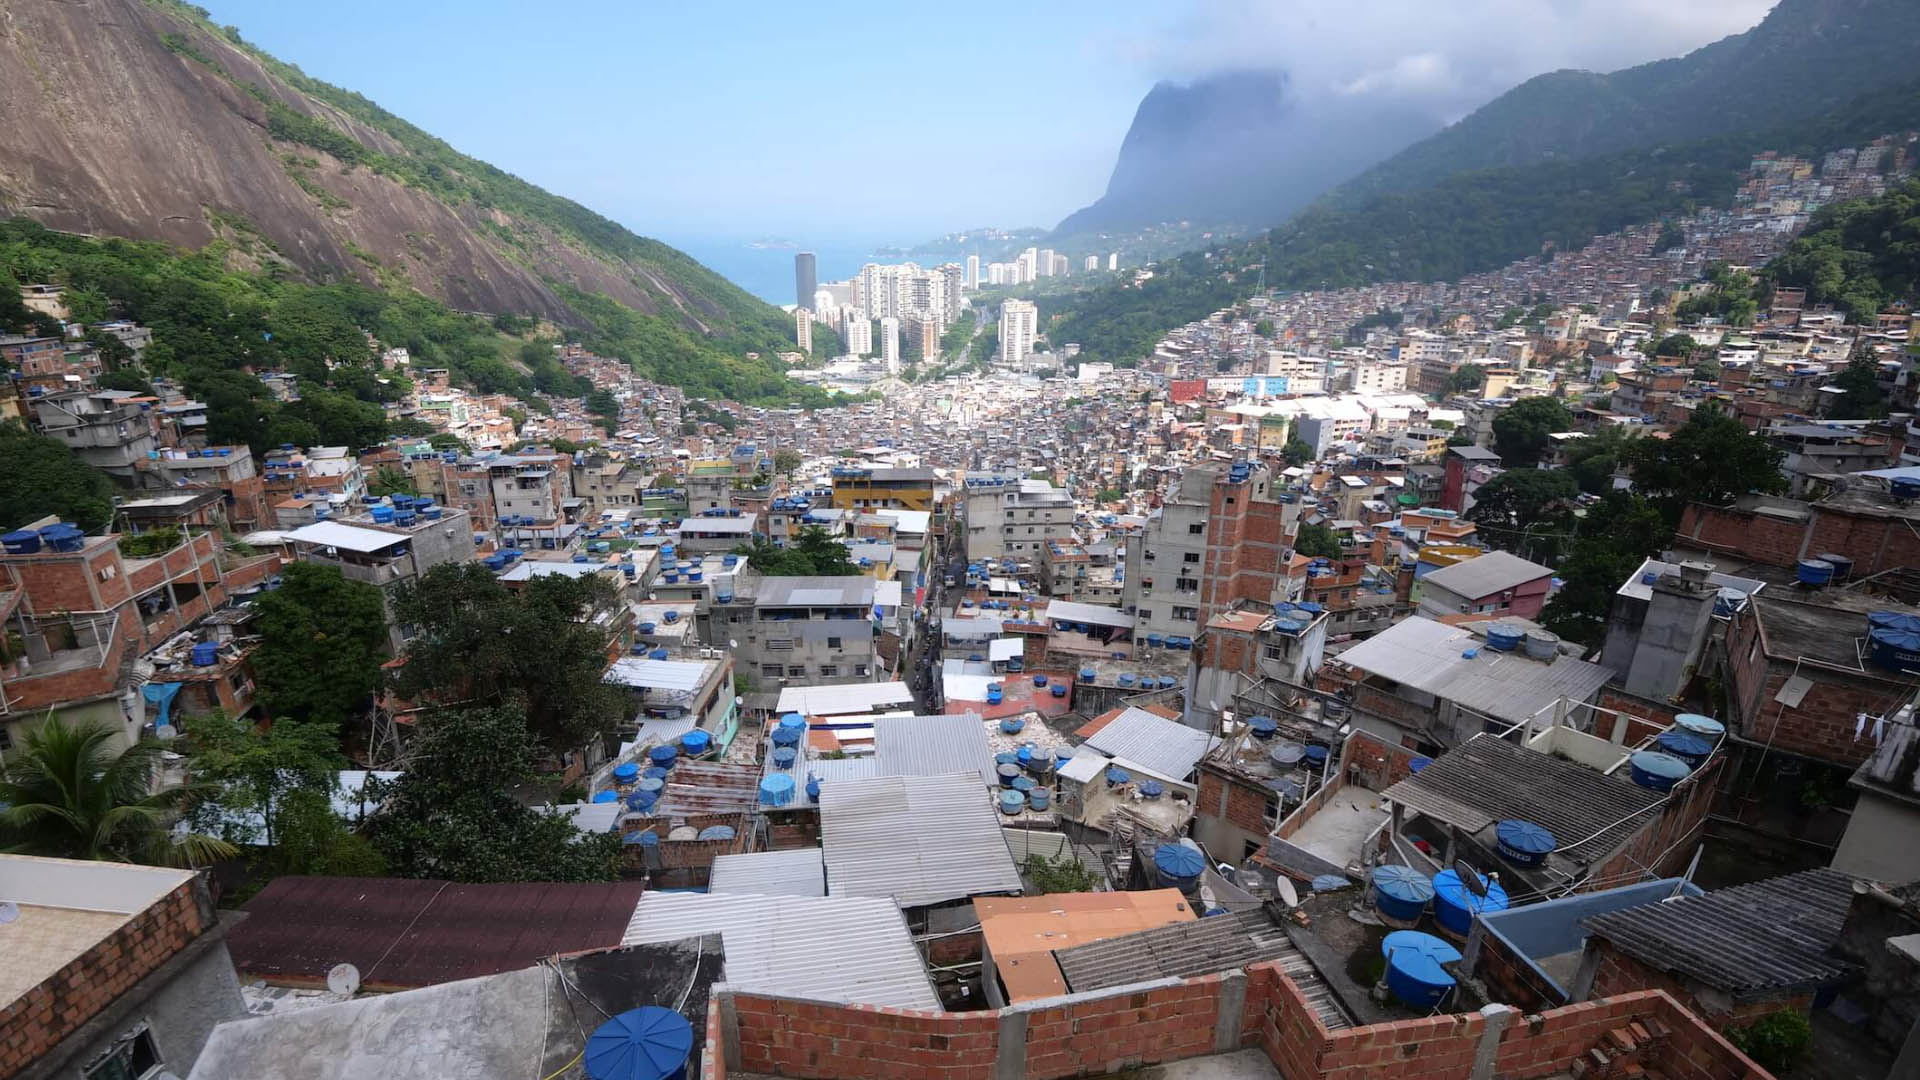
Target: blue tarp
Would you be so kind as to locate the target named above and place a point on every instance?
(161, 694)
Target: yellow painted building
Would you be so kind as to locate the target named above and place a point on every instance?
(859, 489)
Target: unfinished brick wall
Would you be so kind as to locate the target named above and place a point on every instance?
(1511, 979)
(825, 1042)
(1664, 848)
(1762, 538)
(1619, 974)
(1239, 803)
(36, 1022)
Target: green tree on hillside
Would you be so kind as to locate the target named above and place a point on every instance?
(1525, 511)
(1862, 398)
(1317, 542)
(1711, 459)
(1296, 452)
(534, 650)
(812, 553)
(249, 771)
(452, 813)
(1614, 537)
(1520, 430)
(322, 641)
(40, 476)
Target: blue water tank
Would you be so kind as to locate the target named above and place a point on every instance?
(1022, 757)
(626, 772)
(1022, 784)
(784, 757)
(1315, 756)
(1814, 571)
(642, 801)
(663, 756)
(1012, 725)
(1416, 974)
(793, 721)
(1151, 789)
(648, 1043)
(205, 654)
(776, 789)
(382, 515)
(1117, 776)
(1418, 763)
(1007, 757)
(1037, 798)
(1127, 679)
(716, 832)
(1012, 802)
(1505, 636)
(1088, 674)
(1263, 727)
(1039, 680)
(1178, 864)
(22, 542)
(1656, 771)
(1524, 843)
(655, 784)
(1689, 748)
(1401, 892)
(1059, 690)
(1008, 771)
(1705, 727)
(994, 694)
(696, 742)
(1893, 641)
(607, 797)
(1455, 905)
(813, 788)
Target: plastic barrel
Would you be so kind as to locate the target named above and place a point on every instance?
(1401, 892)
(1455, 905)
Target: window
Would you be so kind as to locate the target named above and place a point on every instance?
(833, 643)
(796, 671)
(1186, 584)
(1271, 815)
(772, 671)
(828, 671)
(1185, 614)
(1196, 528)
(6, 738)
(860, 670)
(133, 1057)
(1191, 558)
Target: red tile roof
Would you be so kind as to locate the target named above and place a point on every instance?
(403, 933)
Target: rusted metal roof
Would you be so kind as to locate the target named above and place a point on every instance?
(404, 933)
(708, 787)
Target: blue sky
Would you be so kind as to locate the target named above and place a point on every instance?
(827, 120)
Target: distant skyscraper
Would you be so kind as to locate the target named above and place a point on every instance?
(1113, 260)
(1092, 263)
(973, 271)
(996, 273)
(859, 333)
(824, 307)
(1029, 264)
(890, 344)
(803, 329)
(804, 279)
(1018, 321)
(1043, 263)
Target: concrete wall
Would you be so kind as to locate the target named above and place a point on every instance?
(181, 1014)
(1879, 842)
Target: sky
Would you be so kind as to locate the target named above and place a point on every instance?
(832, 121)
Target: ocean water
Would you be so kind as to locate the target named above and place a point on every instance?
(767, 272)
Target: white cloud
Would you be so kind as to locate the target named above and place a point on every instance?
(1448, 55)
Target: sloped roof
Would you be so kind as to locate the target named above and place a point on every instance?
(919, 839)
(1484, 575)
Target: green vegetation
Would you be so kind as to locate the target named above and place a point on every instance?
(42, 477)
(1594, 459)
(1317, 542)
(70, 792)
(453, 815)
(1610, 541)
(1776, 1042)
(1861, 397)
(1679, 346)
(1733, 297)
(391, 480)
(786, 460)
(532, 651)
(1296, 452)
(1859, 256)
(1062, 875)
(251, 771)
(1526, 511)
(1521, 430)
(1121, 323)
(1465, 379)
(811, 554)
(148, 544)
(322, 641)
(1711, 459)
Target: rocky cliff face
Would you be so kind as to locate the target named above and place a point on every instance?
(132, 118)
(1238, 149)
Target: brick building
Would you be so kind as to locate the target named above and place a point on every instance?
(112, 970)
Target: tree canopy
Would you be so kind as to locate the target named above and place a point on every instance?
(1861, 397)
(811, 554)
(1613, 538)
(1296, 452)
(1712, 458)
(533, 650)
(452, 813)
(1316, 542)
(40, 476)
(322, 641)
(1858, 256)
(249, 771)
(1525, 511)
(1520, 430)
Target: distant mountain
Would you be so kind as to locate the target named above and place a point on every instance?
(143, 120)
(1806, 58)
(1238, 150)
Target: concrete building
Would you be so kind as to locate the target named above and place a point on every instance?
(798, 631)
(1011, 518)
(1497, 583)
(883, 489)
(112, 970)
(107, 429)
(858, 332)
(803, 329)
(230, 470)
(890, 344)
(1019, 321)
(973, 272)
(805, 280)
(387, 554)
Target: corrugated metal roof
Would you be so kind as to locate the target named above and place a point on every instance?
(798, 872)
(709, 787)
(1168, 747)
(640, 671)
(1428, 656)
(1486, 780)
(1771, 935)
(1096, 614)
(852, 591)
(1484, 575)
(1190, 949)
(404, 933)
(853, 950)
(920, 840)
(346, 537)
(842, 699)
(931, 746)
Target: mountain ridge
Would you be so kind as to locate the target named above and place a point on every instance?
(139, 118)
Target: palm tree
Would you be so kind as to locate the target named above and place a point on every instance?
(68, 794)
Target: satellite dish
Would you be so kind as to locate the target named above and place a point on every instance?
(1473, 881)
(9, 912)
(344, 979)
(1285, 888)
